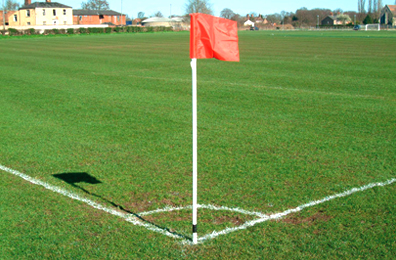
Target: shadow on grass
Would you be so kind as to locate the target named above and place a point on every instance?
(77, 177)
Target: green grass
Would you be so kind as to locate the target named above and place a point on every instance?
(304, 115)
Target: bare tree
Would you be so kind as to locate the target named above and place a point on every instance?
(380, 5)
(95, 5)
(198, 6)
(274, 18)
(370, 6)
(361, 6)
(227, 13)
(141, 15)
(10, 5)
(158, 14)
(375, 6)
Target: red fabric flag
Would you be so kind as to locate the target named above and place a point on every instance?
(213, 37)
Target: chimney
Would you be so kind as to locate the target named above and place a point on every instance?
(28, 2)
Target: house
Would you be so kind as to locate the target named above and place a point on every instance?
(388, 15)
(261, 19)
(248, 23)
(339, 19)
(41, 13)
(83, 16)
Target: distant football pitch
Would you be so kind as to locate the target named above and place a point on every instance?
(296, 143)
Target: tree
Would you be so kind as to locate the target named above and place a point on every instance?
(10, 5)
(338, 11)
(158, 14)
(274, 18)
(198, 6)
(227, 13)
(361, 6)
(368, 20)
(370, 6)
(141, 15)
(95, 5)
(344, 18)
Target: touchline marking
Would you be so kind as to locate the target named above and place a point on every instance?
(136, 221)
(294, 210)
(127, 217)
(268, 87)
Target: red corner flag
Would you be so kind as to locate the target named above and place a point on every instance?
(213, 37)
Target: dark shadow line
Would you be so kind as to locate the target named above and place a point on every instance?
(132, 213)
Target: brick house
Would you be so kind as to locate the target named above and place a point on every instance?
(8, 15)
(83, 16)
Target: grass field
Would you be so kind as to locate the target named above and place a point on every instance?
(303, 116)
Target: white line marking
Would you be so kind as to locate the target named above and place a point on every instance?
(297, 209)
(211, 207)
(135, 221)
(127, 217)
(268, 87)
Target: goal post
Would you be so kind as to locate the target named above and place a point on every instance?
(374, 26)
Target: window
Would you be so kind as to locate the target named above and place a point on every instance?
(64, 22)
(118, 18)
(54, 12)
(64, 11)
(28, 23)
(28, 13)
(44, 23)
(101, 16)
(43, 12)
(15, 18)
(80, 17)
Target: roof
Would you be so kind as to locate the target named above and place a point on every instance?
(94, 12)
(44, 5)
(392, 8)
(336, 17)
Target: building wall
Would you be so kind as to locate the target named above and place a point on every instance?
(49, 18)
(95, 19)
(11, 20)
(27, 17)
(33, 17)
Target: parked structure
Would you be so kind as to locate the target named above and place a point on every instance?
(82, 16)
(388, 15)
(176, 22)
(41, 13)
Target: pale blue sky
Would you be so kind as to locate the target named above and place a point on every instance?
(242, 7)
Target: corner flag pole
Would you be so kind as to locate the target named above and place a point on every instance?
(195, 148)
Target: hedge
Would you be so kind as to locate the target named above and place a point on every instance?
(92, 30)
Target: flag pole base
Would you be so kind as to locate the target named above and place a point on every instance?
(195, 238)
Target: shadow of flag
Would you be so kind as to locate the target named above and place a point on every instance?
(77, 177)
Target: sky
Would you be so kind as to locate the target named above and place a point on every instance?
(242, 7)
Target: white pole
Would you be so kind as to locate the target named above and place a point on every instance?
(195, 148)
